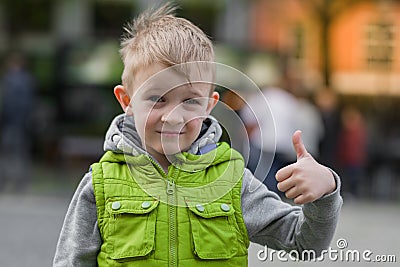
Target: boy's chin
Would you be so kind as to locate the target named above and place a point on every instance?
(171, 151)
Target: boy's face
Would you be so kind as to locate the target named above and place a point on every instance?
(168, 111)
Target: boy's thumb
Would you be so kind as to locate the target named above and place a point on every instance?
(298, 145)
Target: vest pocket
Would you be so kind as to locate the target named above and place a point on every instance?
(132, 227)
(213, 230)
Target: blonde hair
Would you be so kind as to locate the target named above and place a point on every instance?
(158, 36)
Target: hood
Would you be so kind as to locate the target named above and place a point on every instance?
(122, 136)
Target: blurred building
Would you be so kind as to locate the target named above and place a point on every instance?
(362, 37)
(354, 40)
(352, 47)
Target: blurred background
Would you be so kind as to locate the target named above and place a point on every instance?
(339, 60)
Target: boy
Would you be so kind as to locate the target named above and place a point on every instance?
(166, 193)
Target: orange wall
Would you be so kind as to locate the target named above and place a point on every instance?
(348, 48)
(271, 21)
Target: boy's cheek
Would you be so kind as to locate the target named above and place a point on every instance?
(194, 126)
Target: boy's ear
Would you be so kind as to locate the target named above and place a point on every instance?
(123, 98)
(212, 102)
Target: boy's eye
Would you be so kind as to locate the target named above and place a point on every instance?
(156, 98)
(191, 101)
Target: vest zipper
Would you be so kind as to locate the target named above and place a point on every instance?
(171, 209)
(172, 237)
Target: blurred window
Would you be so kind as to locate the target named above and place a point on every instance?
(380, 45)
(28, 16)
(298, 37)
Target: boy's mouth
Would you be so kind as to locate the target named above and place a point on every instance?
(170, 133)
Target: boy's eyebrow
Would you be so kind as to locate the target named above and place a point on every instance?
(163, 91)
(156, 85)
(151, 89)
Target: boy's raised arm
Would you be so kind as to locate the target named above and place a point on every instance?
(272, 222)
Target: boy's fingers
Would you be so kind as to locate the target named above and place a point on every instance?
(286, 184)
(292, 193)
(303, 199)
(300, 200)
(298, 145)
(284, 173)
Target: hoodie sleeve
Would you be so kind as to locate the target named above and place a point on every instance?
(281, 226)
(79, 241)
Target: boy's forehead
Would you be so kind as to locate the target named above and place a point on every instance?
(160, 77)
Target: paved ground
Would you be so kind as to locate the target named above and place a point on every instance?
(364, 225)
(30, 225)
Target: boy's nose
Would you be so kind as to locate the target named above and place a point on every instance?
(173, 117)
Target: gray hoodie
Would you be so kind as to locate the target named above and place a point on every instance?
(269, 220)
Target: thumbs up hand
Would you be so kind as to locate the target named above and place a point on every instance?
(305, 180)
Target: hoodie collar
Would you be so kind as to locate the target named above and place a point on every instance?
(122, 136)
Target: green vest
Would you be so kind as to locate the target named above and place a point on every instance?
(189, 217)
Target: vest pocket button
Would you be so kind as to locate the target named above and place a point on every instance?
(200, 207)
(225, 207)
(116, 205)
(146, 205)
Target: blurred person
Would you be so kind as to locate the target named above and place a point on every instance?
(309, 121)
(352, 149)
(283, 106)
(166, 192)
(327, 103)
(17, 97)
